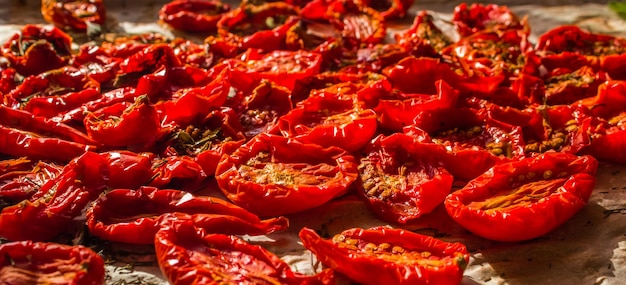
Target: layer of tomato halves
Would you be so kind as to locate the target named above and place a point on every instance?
(383, 255)
(524, 199)
(134, 216)
(27, 262)
(401, 178)
(272, 175)
(187, 255)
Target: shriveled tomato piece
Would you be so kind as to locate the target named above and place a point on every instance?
(36, 49)
(603, 138)
(609, 100)
(21, 178)
(385, 255)
(273, 175)
(193, 15)
(401, 178)
(359, 25)
(188, 255)
(479, 17)
(524, 199)
(207, 140)
(73, 14)
(474, 142)
(94, 61)
(54, 92)
(372, 58)
(490, 53)
(134, 216)
(430, 70)
(398, 109)
(574, 39)
(125, 124)
(282, 67)
(261, 109)
(261, 26)
(565, 78)
(330, 120)
(389, 9)
(423, 37)
(553, 128)
(30, 262)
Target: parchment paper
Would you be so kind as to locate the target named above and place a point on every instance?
(588, 249)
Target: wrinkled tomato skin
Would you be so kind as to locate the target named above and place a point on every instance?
(46, 48)
(329, 121)
(30, 262)
(282, 67)
(400, 111)
(19, 143)
(73, 14)
(51, 209)
(412, 182)
(135, 216)
(603, 138)
(383, 255)
(126, 169)
(177, 172)
(125, 124)
(271, 175)
(479, 17)
(20, 178)
(608, 102)
(524, 199)
(468, 153)
(189, 15)
(188, 255)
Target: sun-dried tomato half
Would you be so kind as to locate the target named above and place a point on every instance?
(384, 255)
(193, 15)
(524, 199)
(401, 178)
(74, 14)
(272, 175)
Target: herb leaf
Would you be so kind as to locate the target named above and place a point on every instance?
(618, 7)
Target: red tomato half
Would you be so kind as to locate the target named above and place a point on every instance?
(193, 15)
(125, 124)
(272, 175)
(188, 255)
(389, 256)
(30, 262)
(330, 121)
(402, 179)
(282, 67)
(134, 216)
(524, 199)
(73, 14)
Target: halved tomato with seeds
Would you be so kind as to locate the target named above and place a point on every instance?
(188, 255)
(384, 255)
(273, 175)
(474, 142)
(330, 120)
(524, 199)
(402, 178)
(193, 15)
